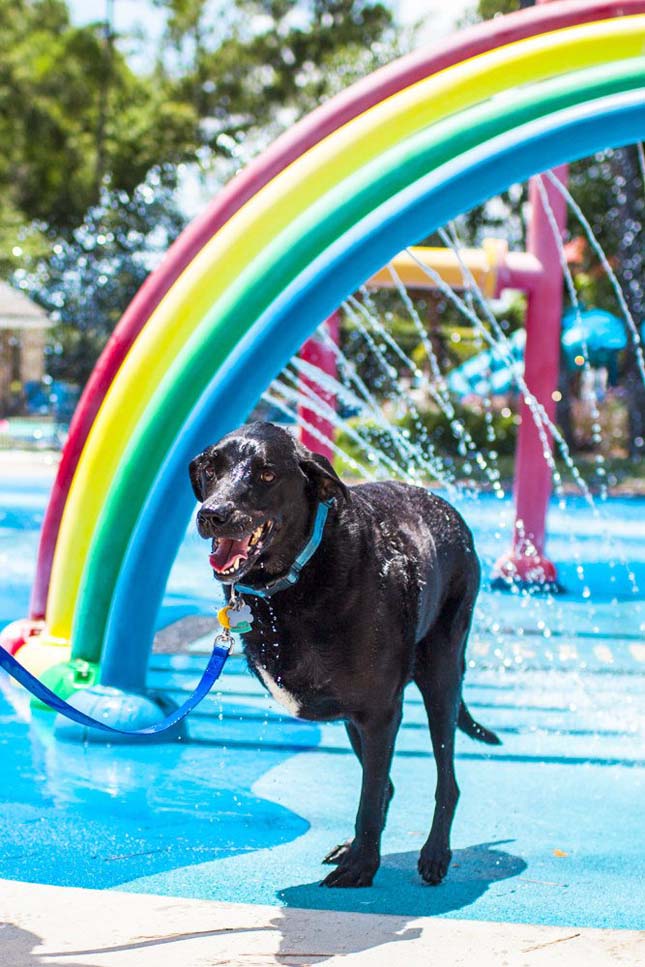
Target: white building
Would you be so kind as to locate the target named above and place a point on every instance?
(23, 334)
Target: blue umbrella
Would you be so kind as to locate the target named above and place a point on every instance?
(592, 334)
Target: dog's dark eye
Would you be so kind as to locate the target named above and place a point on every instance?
(267, 476)
(209, 473)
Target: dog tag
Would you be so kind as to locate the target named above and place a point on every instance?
(240, 619)
(237, 618)
(242, 628)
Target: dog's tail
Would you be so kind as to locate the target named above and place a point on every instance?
(467, 724)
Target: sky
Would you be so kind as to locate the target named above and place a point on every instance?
(439, 15)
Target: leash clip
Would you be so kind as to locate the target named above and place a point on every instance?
(225, 639)
(235, 618)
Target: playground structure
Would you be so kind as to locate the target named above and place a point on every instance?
(493, 269)
(376, 169)
(537, 272)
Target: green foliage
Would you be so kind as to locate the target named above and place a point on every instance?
(487, 9)
(452, 339)
(435, 426)
(91, 149)
(89, 278)
(439, 430)
(251, 68)
(71, 113)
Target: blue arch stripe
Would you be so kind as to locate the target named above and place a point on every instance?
(412, 214)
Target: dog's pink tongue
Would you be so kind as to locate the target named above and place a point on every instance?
(227, 553)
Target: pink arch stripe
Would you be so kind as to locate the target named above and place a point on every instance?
(312, 129)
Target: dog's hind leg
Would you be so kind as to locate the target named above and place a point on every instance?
(336, 855)
(438, 675)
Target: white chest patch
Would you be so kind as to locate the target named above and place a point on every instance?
(279, 693)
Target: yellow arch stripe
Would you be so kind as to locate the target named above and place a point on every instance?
(176, 322)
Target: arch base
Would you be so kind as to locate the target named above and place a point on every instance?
(15, 635)
(67, 678)
(121, 710)
(526, 570)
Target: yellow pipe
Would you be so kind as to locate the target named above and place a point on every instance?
(455, 270)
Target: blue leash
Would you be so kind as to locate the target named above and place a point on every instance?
(215, 663)
(31, 683)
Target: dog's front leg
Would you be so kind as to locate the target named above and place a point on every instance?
(377, 731)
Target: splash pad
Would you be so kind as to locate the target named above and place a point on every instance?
(272, 259)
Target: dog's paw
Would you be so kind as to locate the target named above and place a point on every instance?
(433, 863)
(354, 869)
(338, 853)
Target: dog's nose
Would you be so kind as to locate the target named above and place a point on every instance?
(219, 514)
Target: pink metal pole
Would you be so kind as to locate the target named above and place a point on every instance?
(527, 561)
(318, 354)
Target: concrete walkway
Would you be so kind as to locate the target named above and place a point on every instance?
(56, 926)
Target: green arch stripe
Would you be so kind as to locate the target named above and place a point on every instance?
(282, 261)
(465, 181)
(187, 304)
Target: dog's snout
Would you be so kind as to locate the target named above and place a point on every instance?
(218, 514)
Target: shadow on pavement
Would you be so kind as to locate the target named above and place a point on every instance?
(397, 891)
(18, 948)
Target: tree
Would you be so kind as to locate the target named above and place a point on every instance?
(87, 140)
(609, 187)
(626, 216)
(71, 113)
(251, 68)
(90, 276)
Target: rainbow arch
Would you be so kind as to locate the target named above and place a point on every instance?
(530, 92)
(312, 129)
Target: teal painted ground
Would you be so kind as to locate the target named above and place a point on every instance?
(549, 827)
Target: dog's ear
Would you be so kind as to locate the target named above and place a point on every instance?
(320, 472)
(196, 474)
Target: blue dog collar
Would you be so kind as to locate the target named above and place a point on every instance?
(291, 577)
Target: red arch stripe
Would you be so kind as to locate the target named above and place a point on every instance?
(312, 129)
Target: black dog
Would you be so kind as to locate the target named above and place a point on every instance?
(387, 598)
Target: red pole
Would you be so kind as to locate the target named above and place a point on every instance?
(527, 561)
(318, 354)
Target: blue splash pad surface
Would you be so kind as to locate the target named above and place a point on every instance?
(549, 826)
(547, 829)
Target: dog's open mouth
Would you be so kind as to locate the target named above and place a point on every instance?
(229, 556)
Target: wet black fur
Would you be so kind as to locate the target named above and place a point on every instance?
(386, 599)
